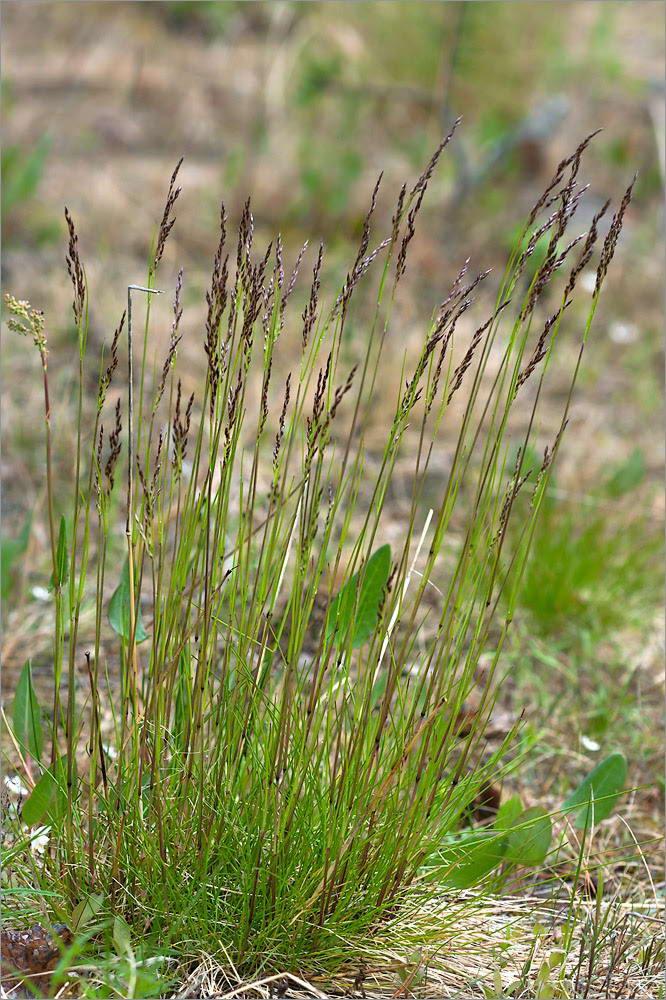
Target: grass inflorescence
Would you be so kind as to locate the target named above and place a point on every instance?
(272, 760)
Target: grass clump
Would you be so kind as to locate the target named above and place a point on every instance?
(271, 758)
(587, 571)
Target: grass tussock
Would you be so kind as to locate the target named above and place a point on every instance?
(272, 762)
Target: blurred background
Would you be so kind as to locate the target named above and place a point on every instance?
(301, 105)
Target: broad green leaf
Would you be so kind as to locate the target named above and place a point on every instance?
(12, 549)
(27, 716)
(628, 475)
(122, 936)
(600, 790)
(528, 839)
(61, 569)
(471, 858)
(508, 812)
(48, 798)
(119, 609)
(183, 697)
(356, 606)
(86, 911)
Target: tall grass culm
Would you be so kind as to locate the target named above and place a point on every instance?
(268, 757)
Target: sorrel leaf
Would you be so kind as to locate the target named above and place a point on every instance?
(49, 796)
(529, 836)
(600, 790)
(357, 605)
(86, 910)
(470, 858)
(61, 568)
(122, 936)
(119, 609)
(27, 716)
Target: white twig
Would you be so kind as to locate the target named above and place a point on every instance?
(396, 611)
(289, 543)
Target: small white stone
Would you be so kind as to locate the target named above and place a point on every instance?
(623, 333)
(41, 593)
(15, 786)
(590, 744)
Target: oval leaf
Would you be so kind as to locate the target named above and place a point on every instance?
(49, 796)
(119, 610)
(529, 837)
(122, 936)
(61, 568)
(27, 717)
(598, 793)
(508, 813)
(86, 911)
(357, 605)
(471, 858)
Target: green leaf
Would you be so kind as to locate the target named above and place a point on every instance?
(529, 837)
(508, 813)
(86, 911)
(628, 475)
(598, 792)
(12, 549)
(22, 172)
(119, 609)
(61, 570)
(27, 716)
(122, 936)
(357, 604)
(183, 698)
(471, 858)
(48, 798)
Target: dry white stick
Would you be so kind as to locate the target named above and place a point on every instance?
(272, 979)
(394, 616)
(289, 543)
